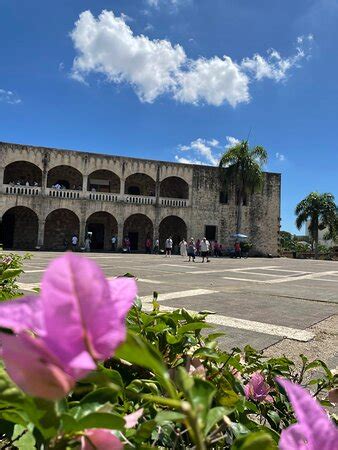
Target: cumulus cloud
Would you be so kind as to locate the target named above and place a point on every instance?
(107, 45)
(9, 97)
(204, 151)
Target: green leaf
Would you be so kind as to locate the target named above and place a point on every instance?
(10, 273)
(101, 395)
(255, 441)
(26, 441)
(168, 416)
(110, 421)
(195, 326)
(214, 416)
(138, 351)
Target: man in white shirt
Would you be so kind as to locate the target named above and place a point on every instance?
(114, 243)
(168, 246)
(205, 248)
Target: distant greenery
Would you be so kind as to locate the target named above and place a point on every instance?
(320, 211)
(242, 166)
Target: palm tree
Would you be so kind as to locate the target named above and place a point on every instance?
(242, 167)
(320, 211)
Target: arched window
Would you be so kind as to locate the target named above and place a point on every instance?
(104, 181)
(140, 184)
(65, 177)
(174, 187)
(23, 172)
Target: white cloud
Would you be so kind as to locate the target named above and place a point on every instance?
(107, 45)
(231, 142)
(204, 151)
(9, 97)
(280, 157)
(213, 81)
(274, 66)
(158, 3)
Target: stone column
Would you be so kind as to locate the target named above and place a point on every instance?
(85, 183)
(44, 182)
(82, 234)
(2, 170)
(41, 232)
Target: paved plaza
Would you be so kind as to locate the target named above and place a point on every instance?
(280, 305)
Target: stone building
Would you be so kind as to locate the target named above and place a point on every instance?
(112, 195)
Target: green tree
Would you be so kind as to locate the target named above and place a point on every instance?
(242, 167)
(319, 211)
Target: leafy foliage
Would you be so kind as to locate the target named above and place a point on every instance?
(190, 392)
(11, 267)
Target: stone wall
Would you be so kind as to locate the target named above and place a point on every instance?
(199, 186)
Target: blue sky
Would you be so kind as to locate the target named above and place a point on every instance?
(177, 80)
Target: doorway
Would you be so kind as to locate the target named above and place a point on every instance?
(98, 235)
(133, 239)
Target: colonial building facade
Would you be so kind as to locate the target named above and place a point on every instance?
(47, 195)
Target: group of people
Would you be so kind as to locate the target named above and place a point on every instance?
(24, 183)
(60, 186)
(192, 249)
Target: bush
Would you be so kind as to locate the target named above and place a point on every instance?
(11, 267)
(169, 385)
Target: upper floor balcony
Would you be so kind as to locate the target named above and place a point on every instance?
(65, 182)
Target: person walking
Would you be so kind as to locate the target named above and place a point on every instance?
(168, 247)
(238, 252)
(183, 247)
(191, 250)
(198, 247)
(74, 242)
(205, 248)
(156, 247)
(216, 249)
(148, 246)
(87, 244)
(114, 243)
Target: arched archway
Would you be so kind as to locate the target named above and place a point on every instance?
(140, 184)
(22, 172)
(174, 187)
(103, 227)
(172, 226)
(61, 224)
(138, 228)
(20, 228)
(104, 181)
(66, 176)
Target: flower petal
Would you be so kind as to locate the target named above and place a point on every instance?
(76, 300)
(22, 314)
(33, 368)
(100, 439)
(293, 438)
(132, 419)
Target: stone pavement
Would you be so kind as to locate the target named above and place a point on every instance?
(275, 304)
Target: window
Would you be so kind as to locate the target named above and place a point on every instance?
(210, 232)
(134, 190)
(223, 197)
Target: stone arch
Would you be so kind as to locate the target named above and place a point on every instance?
(104, 181)
(103, 227)
(19, 229)
(174, 187)
(66, 176)
(61, 224)
(138, 228)
(172, 226)
(23, 172)
(140, 184)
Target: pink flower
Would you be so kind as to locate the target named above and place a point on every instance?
(100, 439)
(257, 389)
(133, 418)
(78, 319)
(313, 430)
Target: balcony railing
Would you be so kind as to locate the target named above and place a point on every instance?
(176, 202)
(95, 196)
(139, 199)
(63, 193)
(21, 190)
(103, 196)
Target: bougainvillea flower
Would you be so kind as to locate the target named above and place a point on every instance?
(100, 439)
(133, 418)
(30, 364)
(257, 389)
(79, 318)
(313, 430)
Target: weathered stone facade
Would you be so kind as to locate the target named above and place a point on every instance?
(112, 195)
